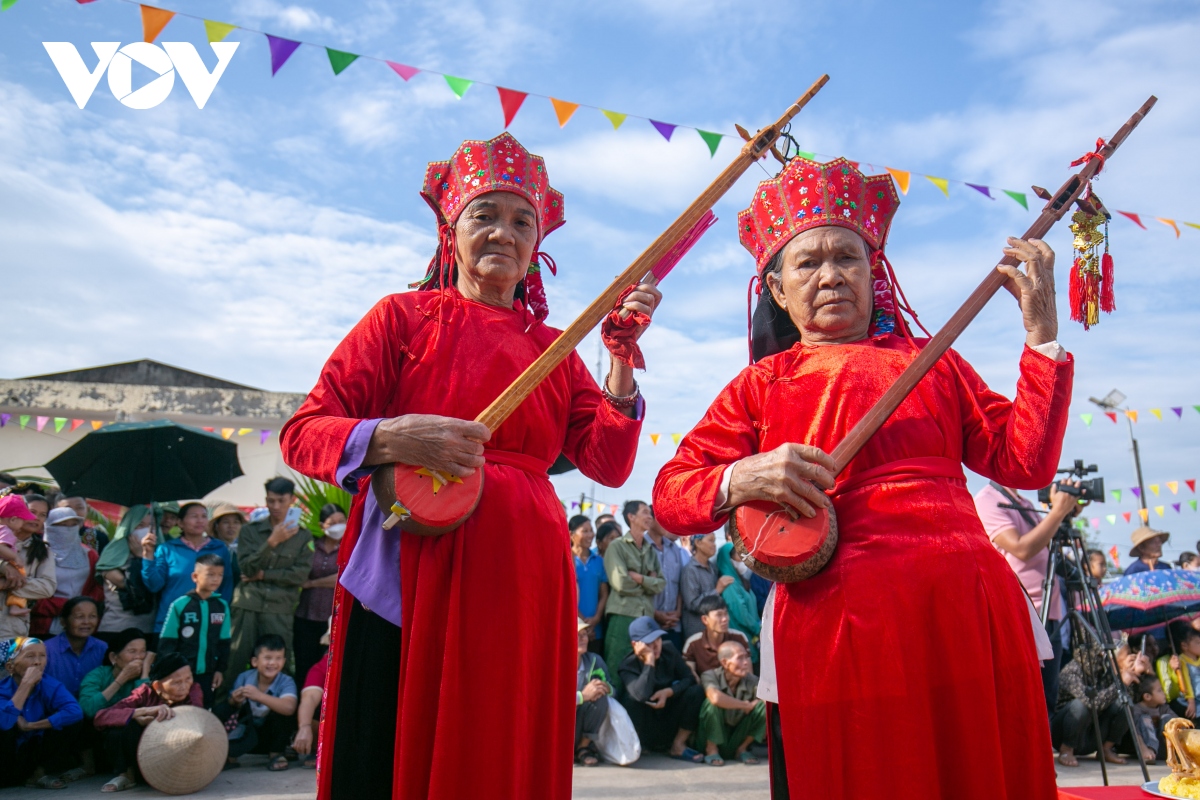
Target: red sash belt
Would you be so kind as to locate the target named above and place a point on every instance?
(903, 470)
(531, 464)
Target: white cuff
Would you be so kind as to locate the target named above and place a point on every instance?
(723, 491)
(1052, 350)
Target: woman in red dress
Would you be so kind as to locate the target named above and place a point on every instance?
(462, 646)
(907, 667)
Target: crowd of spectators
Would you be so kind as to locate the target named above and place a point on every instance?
(184, 604)
(668, 634)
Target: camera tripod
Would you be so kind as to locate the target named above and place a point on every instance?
(1089, 629)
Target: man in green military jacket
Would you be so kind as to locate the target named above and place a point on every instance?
(275, 557)
(634, 577)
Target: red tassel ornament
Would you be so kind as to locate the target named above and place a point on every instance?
(1091, 281)
(1108, 300)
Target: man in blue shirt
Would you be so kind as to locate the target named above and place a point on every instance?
(35, 710)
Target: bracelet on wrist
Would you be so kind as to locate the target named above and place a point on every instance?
(622, 402)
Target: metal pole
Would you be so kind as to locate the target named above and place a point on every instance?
(1137, 463)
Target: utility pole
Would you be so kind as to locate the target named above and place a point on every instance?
(1112, 404)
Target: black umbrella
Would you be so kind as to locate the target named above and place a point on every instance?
(142, 462)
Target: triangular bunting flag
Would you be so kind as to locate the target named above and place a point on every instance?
(1160, 510)
(983, 190)
(615, 117)
(1154, 488)
(1136, 219)
(1111, 415)
(4, 418)
(665, 128)
(1176, 506)
(75, 423)
(1112, 519)
(59, 424)
(1116, 493)
(281, 51)
(1192, 503)
(1127, 515)
(1132, 414)
(1095, 522)
(226, 433)
(339, 59)
(563, 110)
(153, 21)
(23, 420)
(807, 155)
(654, 438)
(1193, 225)
(1197, 409)
(1178, 411)
(902, 177)
(941, 183)
(1137, 492)
(713, 140)
(5, 5)
(1173, 486)
(586, 506)
(1144, 514)
(244, 431)
(1156, 412)
(675, 437)
(263, 436)
(1191, 484)
(458, 85)
(854, 164)
(1019, 197)
(211, 430)
(217, 31)
(97, 424)
(41, 423)
(402, 70)
(574, 504)
(1171, 224)
(510, 103)
(1087, 419)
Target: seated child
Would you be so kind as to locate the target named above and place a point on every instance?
(260, 712)
(1180, 672)
(1150, 713)
(123, 723)
(197, 626)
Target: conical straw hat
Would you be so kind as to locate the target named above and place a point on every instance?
(185, 753)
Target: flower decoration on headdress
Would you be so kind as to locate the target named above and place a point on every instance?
(11, 648)
(807, 194)
(477, 167)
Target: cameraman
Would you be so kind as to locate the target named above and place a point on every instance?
(1022, 537)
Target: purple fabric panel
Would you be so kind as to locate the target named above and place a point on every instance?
(373, 573)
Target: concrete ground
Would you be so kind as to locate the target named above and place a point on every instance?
(653, 776)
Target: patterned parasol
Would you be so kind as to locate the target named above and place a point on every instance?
(1151, 598)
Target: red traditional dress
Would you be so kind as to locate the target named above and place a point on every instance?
(487, 671)
(907, 667)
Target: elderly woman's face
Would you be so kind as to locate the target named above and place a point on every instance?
(825, 285)
(32, 656)
(496, 235)
(1151, 548)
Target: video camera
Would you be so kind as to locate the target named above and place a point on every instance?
(1088, 490)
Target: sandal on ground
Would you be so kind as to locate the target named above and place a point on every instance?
(48, 782)
(587, 756)
(309, 762)
(714, 760)
(118, 784)
(277, 764)
(748, 758)
(72, 775)
(689, 755)
(1068, 760)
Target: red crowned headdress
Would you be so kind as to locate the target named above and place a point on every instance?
(477, 167)
(807, 194)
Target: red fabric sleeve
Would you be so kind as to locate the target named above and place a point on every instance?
(1019, 443)
(601, 441)
(119, 712)
(685, 490)
(359, 377)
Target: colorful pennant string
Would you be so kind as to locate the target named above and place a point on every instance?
(155, 18)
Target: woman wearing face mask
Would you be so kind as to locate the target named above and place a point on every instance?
(127, 601)
(316, 595)
(743, 609)
(75, 566)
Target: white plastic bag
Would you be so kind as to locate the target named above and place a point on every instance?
(617, 741)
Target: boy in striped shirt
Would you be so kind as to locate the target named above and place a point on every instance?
(197, 626)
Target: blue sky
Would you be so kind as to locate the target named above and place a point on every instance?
(243, 240)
